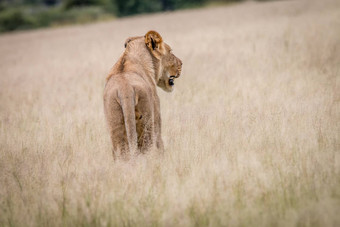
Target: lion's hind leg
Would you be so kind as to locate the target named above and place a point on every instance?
(145, 126)
(115, 122)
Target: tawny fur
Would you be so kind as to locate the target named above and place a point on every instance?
(131, 103)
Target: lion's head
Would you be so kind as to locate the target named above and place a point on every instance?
(167, 66)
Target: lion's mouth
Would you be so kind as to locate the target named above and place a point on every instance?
(171, 80)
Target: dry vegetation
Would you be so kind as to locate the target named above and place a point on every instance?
(251, 131)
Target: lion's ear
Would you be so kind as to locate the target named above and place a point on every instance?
(153, 40)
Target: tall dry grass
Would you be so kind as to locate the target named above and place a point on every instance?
(251, 131)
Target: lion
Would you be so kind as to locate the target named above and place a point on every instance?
(131, 102)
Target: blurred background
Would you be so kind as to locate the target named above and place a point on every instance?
(29, 14)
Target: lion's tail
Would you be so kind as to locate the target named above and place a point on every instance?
(128, 107)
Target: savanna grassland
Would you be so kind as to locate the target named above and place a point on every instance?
(251, 131)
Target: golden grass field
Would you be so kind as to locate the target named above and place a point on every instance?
(251, 131)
